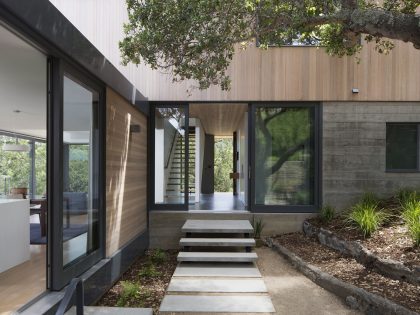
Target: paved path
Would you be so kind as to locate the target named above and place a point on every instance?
(223, 279)
(293, 293)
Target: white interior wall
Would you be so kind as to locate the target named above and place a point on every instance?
(242, 166)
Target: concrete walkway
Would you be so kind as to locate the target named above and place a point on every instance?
(293, 293)
(224, 279)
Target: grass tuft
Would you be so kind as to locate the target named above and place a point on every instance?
(258, 226)
(158, 256)
(411, 217)
(366, 216)
(149, 271)
(130, 290)
(327, 213)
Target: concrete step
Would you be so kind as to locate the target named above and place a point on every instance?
(229, 242)
(217, 257)
(102, 310)
(217, 226)
(217, 304)
(225, 270)
(208, 285)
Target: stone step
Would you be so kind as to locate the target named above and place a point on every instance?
(217, 304)
(225, 270)
(217, 226)
(217, 257)
(206, 285)
(230, 242)
(102, 310)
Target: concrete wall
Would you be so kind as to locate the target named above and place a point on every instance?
(165, 226)
(353, 146)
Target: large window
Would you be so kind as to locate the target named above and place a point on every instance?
(402, 147)
(284, 156)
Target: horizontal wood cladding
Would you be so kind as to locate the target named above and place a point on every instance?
(126, 173)
(302, 74)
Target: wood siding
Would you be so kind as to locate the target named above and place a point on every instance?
(126, 173)
(276, 74)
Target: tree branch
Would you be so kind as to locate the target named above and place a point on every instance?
(285, 157)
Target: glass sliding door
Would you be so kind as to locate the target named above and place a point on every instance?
(170, 157)
(284, 170)
(80, 189)
(78, 171)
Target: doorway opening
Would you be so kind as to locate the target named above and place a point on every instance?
(218, 156)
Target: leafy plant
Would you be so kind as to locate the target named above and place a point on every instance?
(366, 217)
(149, 271)
(411, 217)
(130, 290)
(327, 213)
(370, 199)
(258, 226)
(405, 195)
(158, 256)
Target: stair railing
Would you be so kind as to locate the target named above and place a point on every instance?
(168, 159)
(75, 287)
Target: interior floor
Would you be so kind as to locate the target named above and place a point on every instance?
(220, 201)
(24, 282)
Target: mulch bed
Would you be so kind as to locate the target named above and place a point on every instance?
(392, 241)
(152, 281)
(348, 270)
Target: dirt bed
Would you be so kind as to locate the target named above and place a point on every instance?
(390, 242)
(348, 270)
(144, 283)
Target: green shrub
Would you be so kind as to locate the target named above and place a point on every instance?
(149, 271)
(258, 226)
(406, 195)
(158, 256)
(370, 200)
(327, 213)
(130, 290)
(366, 216)
(411, 217)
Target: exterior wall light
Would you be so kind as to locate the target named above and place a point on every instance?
(355, 91)
(135, 129)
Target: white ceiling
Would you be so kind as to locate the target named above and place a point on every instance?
(23, 86)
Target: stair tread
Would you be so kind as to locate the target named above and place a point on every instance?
(214, 285)
(103, 310)
(217, 256)
(217, 226)
(217, 242)
(217, 304)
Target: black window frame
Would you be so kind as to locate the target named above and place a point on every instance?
(60, 275)
(396, 170)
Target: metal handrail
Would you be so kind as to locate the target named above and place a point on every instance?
(75, 286)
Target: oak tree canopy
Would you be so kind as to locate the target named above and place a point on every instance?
(195, 39)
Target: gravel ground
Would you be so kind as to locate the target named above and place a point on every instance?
(347, 269)
(293, 293)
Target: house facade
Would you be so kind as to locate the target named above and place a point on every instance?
(307, 130)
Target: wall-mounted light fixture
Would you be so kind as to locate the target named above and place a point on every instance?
(135, 129)
(355, 91)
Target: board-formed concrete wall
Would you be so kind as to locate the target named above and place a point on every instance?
(353, 149)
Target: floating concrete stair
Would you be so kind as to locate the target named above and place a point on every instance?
(217, 285)
(222, 242)
(102, 310)
(221, 280)
(217, 257)
(216, 304)
(223, 270)
(217, 226)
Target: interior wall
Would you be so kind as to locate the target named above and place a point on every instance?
(242, 169)
(126, 173)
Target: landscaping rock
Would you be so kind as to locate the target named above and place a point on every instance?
(355, 297)
(389, 268)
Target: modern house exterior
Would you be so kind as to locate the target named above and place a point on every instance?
(308, 130)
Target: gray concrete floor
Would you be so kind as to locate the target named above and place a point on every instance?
(221, 201)
(293, 293)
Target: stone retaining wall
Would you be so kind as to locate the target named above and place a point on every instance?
(387, 267)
